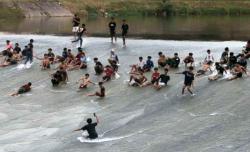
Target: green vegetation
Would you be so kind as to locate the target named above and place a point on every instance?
(139, 7)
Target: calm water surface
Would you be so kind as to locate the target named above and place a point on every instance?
(176, 28)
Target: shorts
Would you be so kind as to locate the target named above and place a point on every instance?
(239, 75)
(209, 62)
(162, 64)
(55, 82)
(188, 84)
(112, 33)
(162, 84)
(99, 94)
(107, 78)
(21, 90)
(124, 33)
(75, 29)
(153, 81)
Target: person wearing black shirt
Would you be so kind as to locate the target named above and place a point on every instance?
(224, 56)
(17, 48)
(125, 28)
(242, 60)
(76, 22)
(24, 51)
(112, 27)
(98, 67)
(232, 60)
(188, 80)
(220, 70)
(29, 53)
(90, 128)
(163, 80)
(80, 33)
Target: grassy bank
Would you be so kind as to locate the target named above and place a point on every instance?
(159, 7)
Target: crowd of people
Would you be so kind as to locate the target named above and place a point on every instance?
(229, 63)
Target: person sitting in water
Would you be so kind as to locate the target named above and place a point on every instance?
(137, 78)
(108, 73)
(45, 61)
(85, 81)
(90, 128)
(63, 57)
(173, 62)
(161, 60)
(242, 60)
(70, 57)
(163, 80)
(141, 63)
(189, 59)
(9, 59)
(25, 88)
(232, 60)
(224, 56)
(17, 48)
(113, 58)
(59, 76)
(149, 65)
(205, 68)
(8, 48)
(98, 67)
(79, 62)
(209, 59)
(237, 72)
(101, 93)
(16, 56)
(51, 56)
(220, 70)
(154, 78)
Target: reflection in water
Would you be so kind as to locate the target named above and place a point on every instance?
(188, 28)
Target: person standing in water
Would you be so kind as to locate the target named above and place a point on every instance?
(188, 80)
(125, 28)
(80, 33)
(29, 53)
(112, 27)
(90, 128)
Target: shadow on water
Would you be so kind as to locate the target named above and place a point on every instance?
(178, 28)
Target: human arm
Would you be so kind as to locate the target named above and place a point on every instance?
(97, 119)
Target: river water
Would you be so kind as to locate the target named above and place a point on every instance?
(173, 28)
(132, 119)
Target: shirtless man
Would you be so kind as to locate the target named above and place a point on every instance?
(85, 81)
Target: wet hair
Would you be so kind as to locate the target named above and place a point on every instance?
(69, 50)
(191, 68)
(166, 69)
(149, 57)
(226, 49)
(100, 83)
(95, 59)
(155, 69)
(86, 74)
(29, 83)
(49, 49)
(25, 46)
(16, 44)
(65, 49)
(31, 40)
(208, 51)
(7, 41)
(175, 53)
(217, 63)
(89, 120)
(231, 53)
(140, 58)
(160, 53)
(190, 54)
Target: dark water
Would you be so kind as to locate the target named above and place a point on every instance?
(176, 28)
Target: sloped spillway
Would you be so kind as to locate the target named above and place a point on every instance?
(141, 119)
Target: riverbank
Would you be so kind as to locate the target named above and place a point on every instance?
(33, 8)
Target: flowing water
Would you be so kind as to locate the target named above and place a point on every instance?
(131, 119)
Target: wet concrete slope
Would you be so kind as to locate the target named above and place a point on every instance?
(215, 120)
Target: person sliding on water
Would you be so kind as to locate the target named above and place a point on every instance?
(188, 81)
(80, 33)
(90, 128)
(25, 88)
